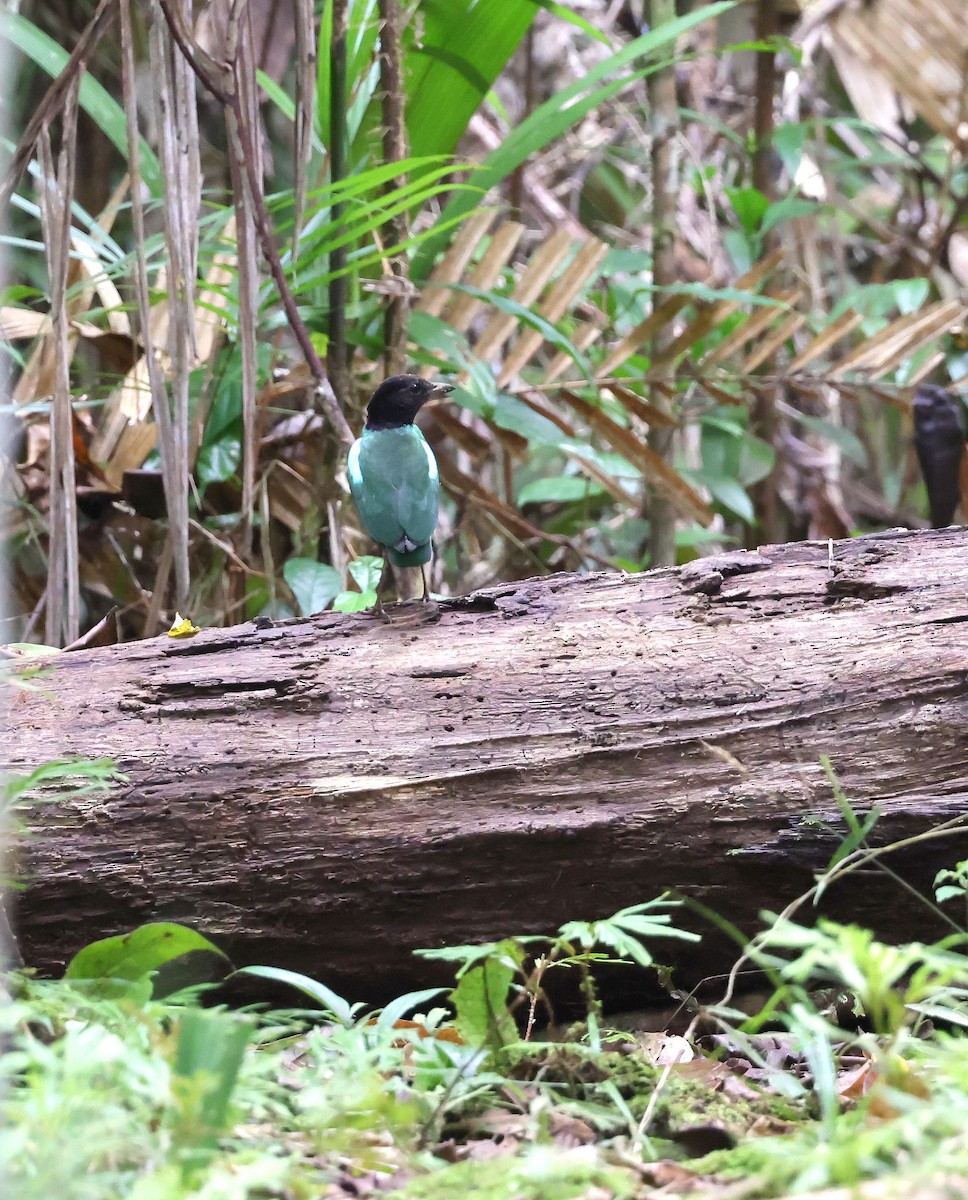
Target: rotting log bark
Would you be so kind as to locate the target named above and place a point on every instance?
(328, 794)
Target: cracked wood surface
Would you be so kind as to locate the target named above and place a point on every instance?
(327, 794)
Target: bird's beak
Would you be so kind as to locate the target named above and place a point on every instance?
(439, 390)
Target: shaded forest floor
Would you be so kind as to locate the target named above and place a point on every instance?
(853, 1069)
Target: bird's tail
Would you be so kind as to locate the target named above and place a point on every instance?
(410, 558)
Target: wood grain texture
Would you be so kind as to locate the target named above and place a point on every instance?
(330, 793)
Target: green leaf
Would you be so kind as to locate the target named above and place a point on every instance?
(29, 650)
(573, 18)
(513, 309)
(463, 47)
(325, 997)
(211, 1046)
(750, 206)
(103, 109)
(410, 1002)
(218, 461)
(140, 953)
(845, 440)
(740, 249)
(756, 459)
(728, 493)
(352, 602)
(513, 414)
(560, 489)
(314, 584)
(481, 1005)
(366, 572)
(786, 210)
(625, 931)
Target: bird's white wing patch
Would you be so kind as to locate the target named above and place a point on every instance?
(431, 461)
(353, 472)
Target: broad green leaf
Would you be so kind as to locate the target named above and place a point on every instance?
(728, 493)
(513, 414)
(696, 535)
(750, 206)
(103, 109)
(142, 952)
(434, 335)
(218, 461)
(877, 300)
(462, 48)
(211, 1046)
(481, 1005)
(352, 602)
(314, 584)
(558, 490)
(740, 250)
(366, 572)
(756, 459)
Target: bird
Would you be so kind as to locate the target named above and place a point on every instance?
(393, 475)
(939, 438)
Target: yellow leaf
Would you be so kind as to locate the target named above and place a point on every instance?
(182, 627)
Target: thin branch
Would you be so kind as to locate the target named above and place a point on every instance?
(242, 56)
(336, 358)
(665, 119)
(169, 94)
(57, 192)
(394, 150)
(156, 381)
(305, 107)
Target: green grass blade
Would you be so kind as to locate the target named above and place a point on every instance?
(94, 99)
(563, 110)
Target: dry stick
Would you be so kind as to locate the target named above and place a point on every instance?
(764, 409)
(394, 150)
(767, 26)
(336, 360)
(665, 119)
(241, 55)
(173, 422)
(55, 98)
(57, 191)
(305, 107)
(209, 74)
(159, 393)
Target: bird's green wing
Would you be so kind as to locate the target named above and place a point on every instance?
(394, 481)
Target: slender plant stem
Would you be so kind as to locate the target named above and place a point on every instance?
(394, 150)
(665, 120)
(336, 350)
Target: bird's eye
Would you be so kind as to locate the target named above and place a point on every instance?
(415, 386)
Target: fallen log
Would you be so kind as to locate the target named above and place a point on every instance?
(328, 794)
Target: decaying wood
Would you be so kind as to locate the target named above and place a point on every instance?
(328, 794)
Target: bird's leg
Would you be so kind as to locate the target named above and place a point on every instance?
(381, 611)
(423, 580)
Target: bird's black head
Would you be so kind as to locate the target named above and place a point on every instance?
(398, 400)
